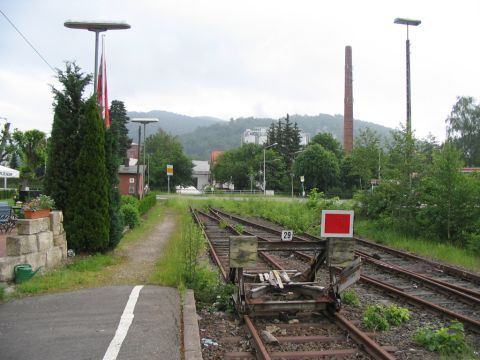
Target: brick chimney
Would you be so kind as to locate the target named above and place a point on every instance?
(348, 106)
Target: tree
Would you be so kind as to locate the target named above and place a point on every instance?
(63, 147)
(287, 138)
(244, 166)
(449, 197)
(365, 158)
(329, 143)
(319, 166)
(164, 149)
(118, 116)
(113, 159)
(88, 211)
(31, 146)
(463, 128)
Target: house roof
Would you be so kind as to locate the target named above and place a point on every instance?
(122, 169)
(200, 166)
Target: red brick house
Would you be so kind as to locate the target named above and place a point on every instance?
(129, 177)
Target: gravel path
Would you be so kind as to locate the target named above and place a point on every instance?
(141, 256)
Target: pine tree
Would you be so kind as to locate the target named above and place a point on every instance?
(88, 208)
(63, 147)
(113, 160)
(118, 115)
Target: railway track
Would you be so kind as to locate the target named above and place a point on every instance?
(315, 335)
(452, 295)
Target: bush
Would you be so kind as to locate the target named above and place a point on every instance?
(350, 297)
(130, 200)
(147, 203)
(131, 216)
(381, 317)
(448, 341)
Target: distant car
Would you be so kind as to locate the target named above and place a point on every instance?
(189, 190)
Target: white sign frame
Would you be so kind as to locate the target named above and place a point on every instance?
(168, 168)
(287, 235)
(337, 235)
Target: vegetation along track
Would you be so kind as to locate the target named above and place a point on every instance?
(310, 335)
(445, 290)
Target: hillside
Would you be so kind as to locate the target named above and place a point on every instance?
(227, 135)
(200, 135)
(172, 123)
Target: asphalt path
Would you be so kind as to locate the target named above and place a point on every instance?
(82, 325)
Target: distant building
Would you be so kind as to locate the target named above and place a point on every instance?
(259, 136)
(132, 152)
(256, 135)
(201, 173)
(214, 156)
(129, 178)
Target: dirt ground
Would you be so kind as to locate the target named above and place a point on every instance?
(140, 256)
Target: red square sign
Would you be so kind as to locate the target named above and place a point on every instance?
(337, 223)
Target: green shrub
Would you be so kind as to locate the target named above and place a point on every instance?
(147, 203)
(131, 216)
(382, 317)
(350, 297)
(2, 292)
(130, 200)
(447, 341)
(238, 228)
(473, 243)
(222, 224)
(224, 297)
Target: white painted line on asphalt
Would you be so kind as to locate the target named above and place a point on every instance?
(123, 326)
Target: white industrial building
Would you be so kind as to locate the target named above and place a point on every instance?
(259, 136)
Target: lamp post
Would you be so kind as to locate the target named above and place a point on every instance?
(264, 177)
(96, 27)
(143, 121)
(408, 22)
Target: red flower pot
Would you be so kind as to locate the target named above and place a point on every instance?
(29, 214)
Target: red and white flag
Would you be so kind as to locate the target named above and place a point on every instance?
(102, 94)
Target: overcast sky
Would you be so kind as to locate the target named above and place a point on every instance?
(232, 59)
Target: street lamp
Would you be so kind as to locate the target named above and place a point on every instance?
(97, 27)
(264, 178)
(408, 22)
(143, 121)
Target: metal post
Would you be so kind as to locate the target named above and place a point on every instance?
(138, 160)
(168, 180)
(144, 140)
(96, 63)
(264, 181)
(291, 175)
(409, 108)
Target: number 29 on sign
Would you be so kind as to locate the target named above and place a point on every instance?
(287, 235)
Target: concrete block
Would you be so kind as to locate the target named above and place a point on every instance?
(60, 239)
(33, 226)
(56, 219)
(44, 240)
(191, 336)
(35, 259)
(7, 265)
(21, 244)
(54, 257)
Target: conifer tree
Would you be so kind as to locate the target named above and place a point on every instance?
(87, 205)
(63, 147)
(113, 160)
(118, 116)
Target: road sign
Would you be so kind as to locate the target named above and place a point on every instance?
(170, 170)
(287, 235)
(302, 179)
(337, 223)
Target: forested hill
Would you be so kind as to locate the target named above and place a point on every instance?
(227, 135)
(200, 135)
(172, 123)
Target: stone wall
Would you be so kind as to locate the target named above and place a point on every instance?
(39, 242)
